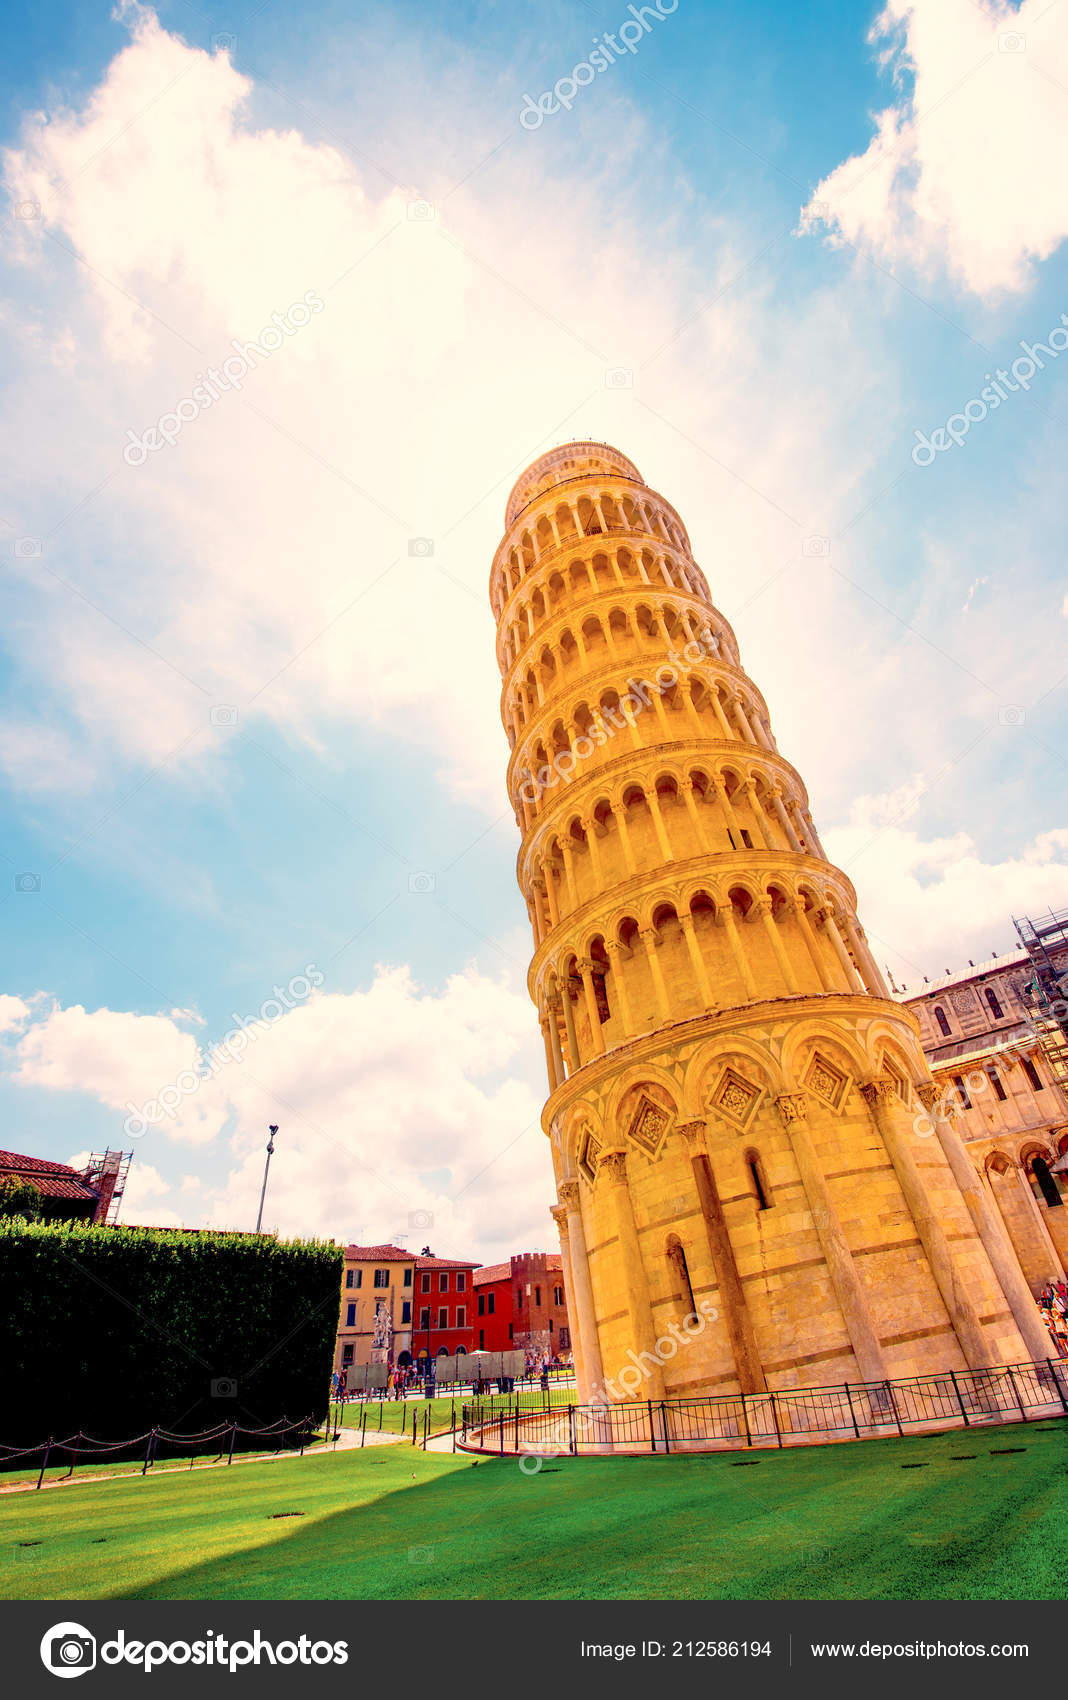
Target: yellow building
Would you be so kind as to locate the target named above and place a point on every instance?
(375, 1323)
(734, 1096)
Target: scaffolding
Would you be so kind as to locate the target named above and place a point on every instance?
(106, 1174)
(1044, 939)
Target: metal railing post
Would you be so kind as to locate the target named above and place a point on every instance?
(1016, 1390)
(74, 1454)
(745, 1420)
(44, 1460)
(960, 1401)
(148, 1450)
(1055, 1364)
(663, 1423)
(775, 1417)
(571, 1429)
(852, 1412)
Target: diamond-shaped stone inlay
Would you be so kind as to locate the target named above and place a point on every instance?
(826, 1081)
(648, 1125)
(588, 1155)
(735, 1097)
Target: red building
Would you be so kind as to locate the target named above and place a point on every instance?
(91, 1194)
(520, 1304)
(443, 1323)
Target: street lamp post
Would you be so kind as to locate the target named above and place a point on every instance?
(266, 1168)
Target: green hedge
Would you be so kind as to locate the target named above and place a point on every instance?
(117, 1330)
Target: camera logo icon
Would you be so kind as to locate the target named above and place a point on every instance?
(224, 1387)
(420, 1555)
(27, 882)
(421, 212)
(421, 547)
(223, 42)
(27, 548)
(1012, 714)
(421, 884)
(816, 546)
(1012, 43)
(420, 1218)
(27, 209)
(68, 1649)
(223, 714)
(619, 378)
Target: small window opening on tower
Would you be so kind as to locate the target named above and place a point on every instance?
(756, 1176)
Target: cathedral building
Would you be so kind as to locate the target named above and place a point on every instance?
(750, 1192)
(1007, 1087)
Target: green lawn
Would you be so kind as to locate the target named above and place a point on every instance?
(389, 1522)
(395, 1412)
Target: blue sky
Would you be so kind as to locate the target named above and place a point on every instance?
(240, 720)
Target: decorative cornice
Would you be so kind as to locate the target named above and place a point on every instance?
(879, 1093)
(569, 1195)
(695, 1133)
(558, 1212)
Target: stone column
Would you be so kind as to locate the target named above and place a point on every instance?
(648, 938)
(660, 829)
(883, 1103)
(694, 814)
(619, 984)
(624, 838)
(589, 827)
(697, 961)
(1056, 1273)
(728, 810)
(741, 961)
(555, 1077)
(813, 836)
(869, 968)
(813, 944)
(735, 1310)
(552, 1005)
(763, 908)
(990, 1228)
(830, 927)
(612, 1174)
(725, 725)
(569, 871)
(785, 822)
(568, 1022)
(585, 968)
(588, 1372)
(550, 892)
(848, 1289)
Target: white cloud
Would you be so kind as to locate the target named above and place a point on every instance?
(962, 170)
(394, 1105)
(14, 1013)
(931, 904)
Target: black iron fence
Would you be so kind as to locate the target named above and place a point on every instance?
(1010, 1393)
(218, 1442)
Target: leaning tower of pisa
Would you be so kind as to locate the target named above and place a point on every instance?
(736, 1108)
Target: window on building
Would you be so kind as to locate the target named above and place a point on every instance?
(491, 1303)
(350, 1275)
(350, 1316)
(757, 1181)
(406, 1310)
(381, 1277)
(537, 1296)
(443, 1283)
(940, 1017)
(461, 1282)
(519, 1298)
(443, 1316)
(995, 1081)
(346, 1354)
(426, 1283)
(511, 1331)
(995, 1007)
(407, 1277)
(550, 1325)
(962, 1091)
(1046, 1183)
(424, 1317)
(746, 840)
(461, 1316)
(558, 1296)
(482, 1339)
(677, 1264)
(1034, 1078)
(481, 1304)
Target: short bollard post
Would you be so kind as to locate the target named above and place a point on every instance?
(74, 1454)
(44, 1460)
(233, 1437)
